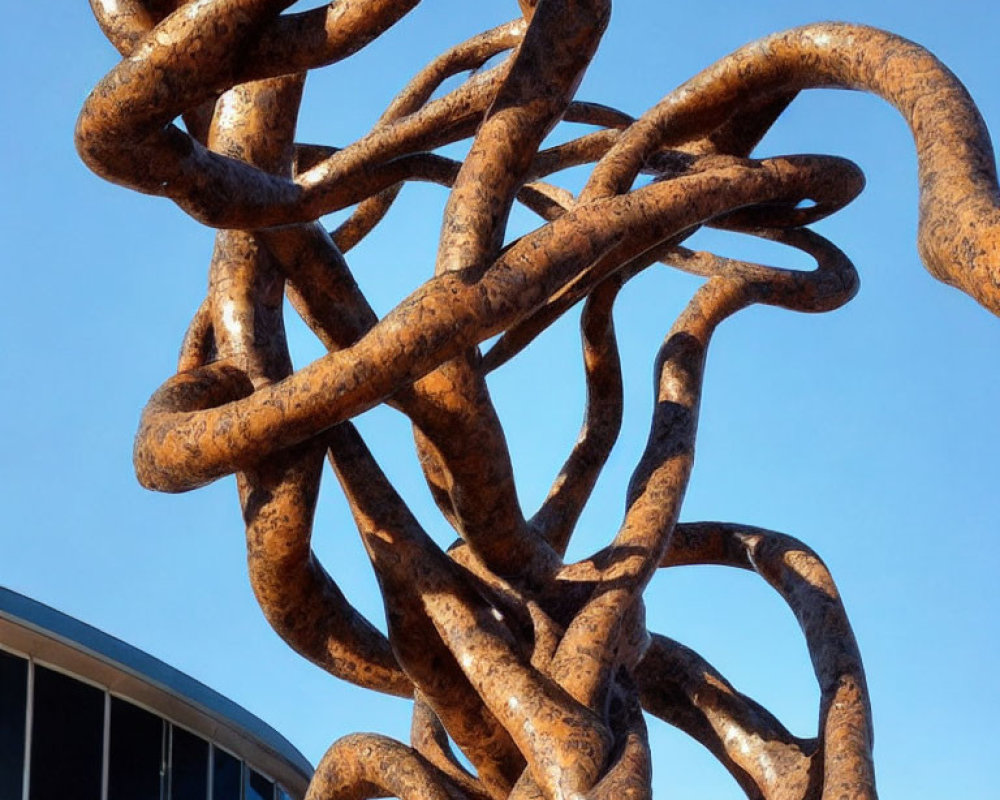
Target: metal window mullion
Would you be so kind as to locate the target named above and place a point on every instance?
(168, 783)
(106, 747)
(29, 713)
(211, 769)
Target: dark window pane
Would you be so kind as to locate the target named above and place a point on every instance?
(282, 794)
(188, 766)
(258, 787)
(67, 738)
(226, 774)
(135, 761)
(13, 705)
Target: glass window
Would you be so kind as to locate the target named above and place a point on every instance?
(67, 739)
(135, 760)
(13, 707)
(281, 794)
(258, 787)
(226, 774)
(188, 766)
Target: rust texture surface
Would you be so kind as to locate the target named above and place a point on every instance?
(538, 669)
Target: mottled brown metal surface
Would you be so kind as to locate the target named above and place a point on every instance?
(538, 670)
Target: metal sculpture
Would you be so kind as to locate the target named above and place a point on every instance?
(537, 669)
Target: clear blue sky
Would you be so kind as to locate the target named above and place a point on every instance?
(871, 432)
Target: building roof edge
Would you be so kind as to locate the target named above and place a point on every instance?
(48, 621)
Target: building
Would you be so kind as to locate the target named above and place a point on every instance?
(85, 716)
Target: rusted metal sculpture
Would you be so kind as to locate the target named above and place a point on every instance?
(537, 669)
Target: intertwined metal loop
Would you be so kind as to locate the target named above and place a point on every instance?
(537, 669)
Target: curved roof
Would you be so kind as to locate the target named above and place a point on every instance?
(55, 639)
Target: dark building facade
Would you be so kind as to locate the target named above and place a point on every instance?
(85, 716)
